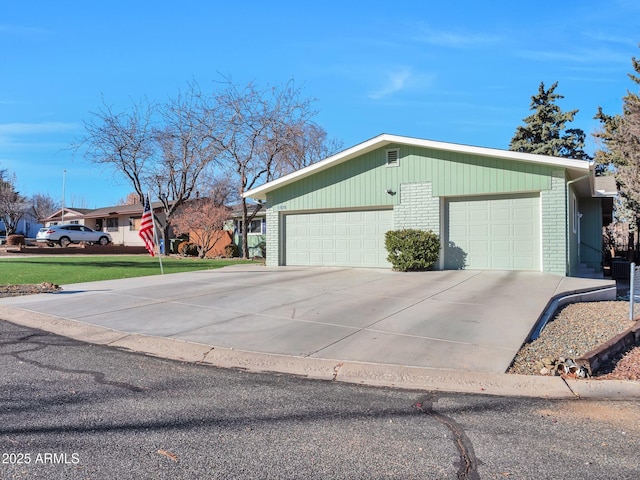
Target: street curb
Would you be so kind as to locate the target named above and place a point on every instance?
(361, 373)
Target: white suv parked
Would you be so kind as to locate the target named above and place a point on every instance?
(66, 234)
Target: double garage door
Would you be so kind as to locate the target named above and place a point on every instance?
(349, 238)
(490, 232)
(495, 232)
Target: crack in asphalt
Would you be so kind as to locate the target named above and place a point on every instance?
(468, 463)
(27, 340)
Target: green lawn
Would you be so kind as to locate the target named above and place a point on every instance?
(77, 269)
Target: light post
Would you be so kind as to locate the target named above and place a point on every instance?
(64, 178)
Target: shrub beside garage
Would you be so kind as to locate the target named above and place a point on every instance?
(412, 250)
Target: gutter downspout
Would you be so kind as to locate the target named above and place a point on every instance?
(568, 249)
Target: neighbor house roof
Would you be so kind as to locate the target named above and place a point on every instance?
(68, 212)
(575, 168)
(133, 209)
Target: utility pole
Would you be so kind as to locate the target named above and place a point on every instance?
(64, 178)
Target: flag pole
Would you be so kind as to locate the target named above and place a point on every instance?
(155, 236)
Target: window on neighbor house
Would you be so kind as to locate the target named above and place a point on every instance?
(112, 224)
(134, 223)
(257, 226)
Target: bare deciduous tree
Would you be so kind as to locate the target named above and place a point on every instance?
(187, 150)
(132, 198)
(12, 205)
(43, 205)
(159, 148)
(245, 136)
(122, 141)
(267, 133)
(222, 191)
(203, 220)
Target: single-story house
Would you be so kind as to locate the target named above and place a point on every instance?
(66, 215)
(492, 209)
(121, 221)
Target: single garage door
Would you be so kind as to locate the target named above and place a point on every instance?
(495, 232)
(349, 239)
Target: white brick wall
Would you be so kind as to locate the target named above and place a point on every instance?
(554, 230)
(273, 244)
(417, 208)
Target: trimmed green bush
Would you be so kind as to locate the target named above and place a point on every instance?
(412, 250)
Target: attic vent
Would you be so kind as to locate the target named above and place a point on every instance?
(393, 158)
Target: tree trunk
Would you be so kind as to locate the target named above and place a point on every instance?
(245, 230)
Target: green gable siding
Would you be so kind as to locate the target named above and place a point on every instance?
(362, 182)
(423, 183)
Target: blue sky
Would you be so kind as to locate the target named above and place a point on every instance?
(459, 72)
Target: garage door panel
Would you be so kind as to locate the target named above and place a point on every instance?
(347, 238)
(479, 246)
(478, 231)
(342, 230)
(459, 217)
(497, 232)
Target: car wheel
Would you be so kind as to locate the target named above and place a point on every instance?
(65, 241)
(103, 241)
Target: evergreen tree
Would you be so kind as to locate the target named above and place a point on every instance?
(544, 131)
(624, 146)
(607, 158)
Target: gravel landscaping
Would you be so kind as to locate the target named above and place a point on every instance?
(576, 330)
(17, 290)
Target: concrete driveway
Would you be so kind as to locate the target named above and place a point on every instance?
(463, 320)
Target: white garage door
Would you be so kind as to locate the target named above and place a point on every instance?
(495, 232)
(353, 239)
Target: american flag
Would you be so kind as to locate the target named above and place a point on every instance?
(146, 228)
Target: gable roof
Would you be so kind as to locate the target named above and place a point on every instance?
(576, 168)
(68, 212)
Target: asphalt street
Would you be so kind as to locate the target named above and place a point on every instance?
(74, 410)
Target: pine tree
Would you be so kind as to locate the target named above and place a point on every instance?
(624, 146)
(606, 158)
(544, 131)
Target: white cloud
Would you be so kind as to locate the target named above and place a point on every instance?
(606, 37)
(455, 40)
(395, 82)
(582, 56)
(21, 31)
(400, 80)
(35, 128)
